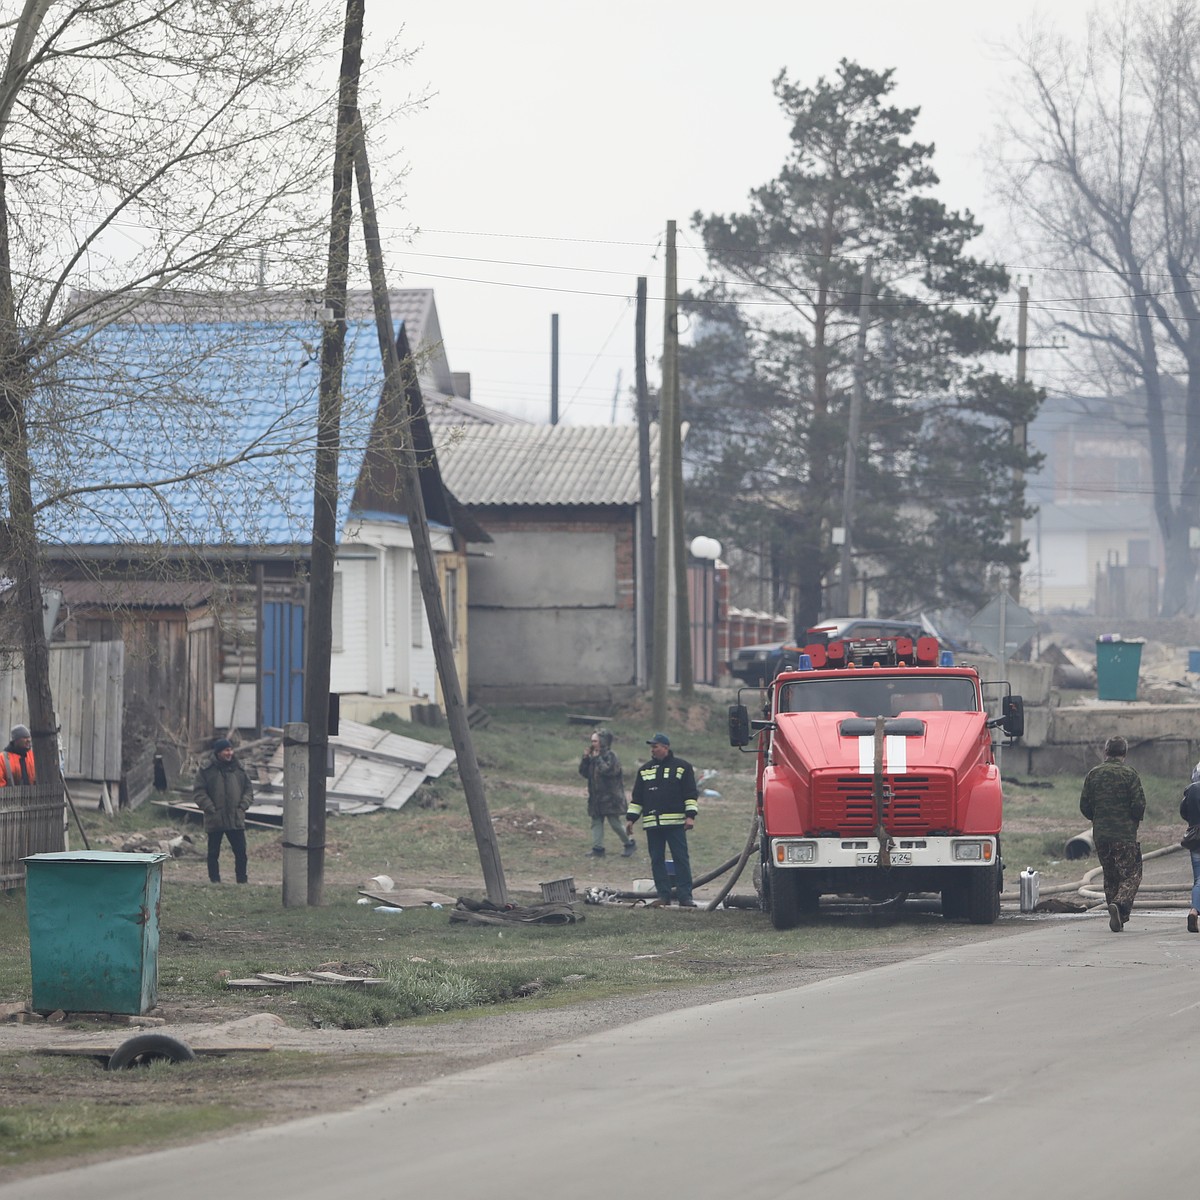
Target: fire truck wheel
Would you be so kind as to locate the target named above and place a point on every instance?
(783, 897)
(983, 896)
(954, 902)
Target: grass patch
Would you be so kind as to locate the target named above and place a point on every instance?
(71, 1128)
(151, 1106)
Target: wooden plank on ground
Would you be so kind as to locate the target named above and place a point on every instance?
(336, 979)
(409, 897)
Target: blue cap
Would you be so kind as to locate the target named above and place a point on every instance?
(222, 744)
(659, 739)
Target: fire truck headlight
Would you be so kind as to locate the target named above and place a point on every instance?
(970, 851)
(795, 852)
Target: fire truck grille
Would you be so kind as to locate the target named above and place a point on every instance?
(918, 803)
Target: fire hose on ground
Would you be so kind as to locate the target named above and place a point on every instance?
(1081, 887)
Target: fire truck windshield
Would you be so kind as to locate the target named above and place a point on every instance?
(887, 696)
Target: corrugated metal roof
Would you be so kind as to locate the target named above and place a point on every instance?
(414, 307)
(543, 464)
(239, 397)
(442, 409)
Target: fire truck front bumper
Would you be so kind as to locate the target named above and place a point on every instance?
(849, 853)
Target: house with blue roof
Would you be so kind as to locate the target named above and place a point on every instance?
(177, 510)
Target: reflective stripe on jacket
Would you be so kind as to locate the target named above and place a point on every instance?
(664, 793)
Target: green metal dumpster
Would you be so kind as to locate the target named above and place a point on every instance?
(93, 930)
(1118, 661)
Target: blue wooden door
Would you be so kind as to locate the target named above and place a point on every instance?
(282, 663)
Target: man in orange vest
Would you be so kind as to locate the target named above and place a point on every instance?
(17, 758)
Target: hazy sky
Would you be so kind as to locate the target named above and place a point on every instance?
(560, 138)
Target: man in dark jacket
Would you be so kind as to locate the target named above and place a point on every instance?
(606, 792)
(1113, 800)
(224, 792)
(664, 797)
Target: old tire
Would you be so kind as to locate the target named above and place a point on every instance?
(147, 1048)
(983, 896)
(783, 897)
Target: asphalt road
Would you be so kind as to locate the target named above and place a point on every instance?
(1055, 1061)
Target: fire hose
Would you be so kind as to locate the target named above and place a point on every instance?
(1082, 888)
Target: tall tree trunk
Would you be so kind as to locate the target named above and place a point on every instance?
(21, 542)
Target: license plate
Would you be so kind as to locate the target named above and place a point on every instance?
(896, 858)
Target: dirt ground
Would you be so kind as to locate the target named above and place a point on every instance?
(350, 1067)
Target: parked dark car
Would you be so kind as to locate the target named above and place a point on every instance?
(757, 665)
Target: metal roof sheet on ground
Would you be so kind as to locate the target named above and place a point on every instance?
(373, 768)
(543, 464)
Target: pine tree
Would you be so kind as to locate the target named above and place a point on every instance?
(770, 374)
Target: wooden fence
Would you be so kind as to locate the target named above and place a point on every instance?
(31, 822)
(87, 683)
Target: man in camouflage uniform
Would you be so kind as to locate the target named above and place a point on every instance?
(1113, 800)
(606, 792)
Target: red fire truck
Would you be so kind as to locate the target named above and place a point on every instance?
(877, 778)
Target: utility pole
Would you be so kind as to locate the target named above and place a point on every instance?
(1019, 433)
(401, 398)
(683, 608)
(645, 499)
(850, 480)
(325, 482)
(554, 368)
(666, 449)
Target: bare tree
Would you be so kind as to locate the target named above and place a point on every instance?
(1102, 166)
(145, 146)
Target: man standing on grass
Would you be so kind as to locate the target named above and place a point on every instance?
(223, 792)
(606, 792)
(1113, 800)
(664, 797)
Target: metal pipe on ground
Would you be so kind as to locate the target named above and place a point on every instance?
(1082, 845)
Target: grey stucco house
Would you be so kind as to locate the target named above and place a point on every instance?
(555, 600)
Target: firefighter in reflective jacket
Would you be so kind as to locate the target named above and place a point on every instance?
(664, 797)
(17, 758)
